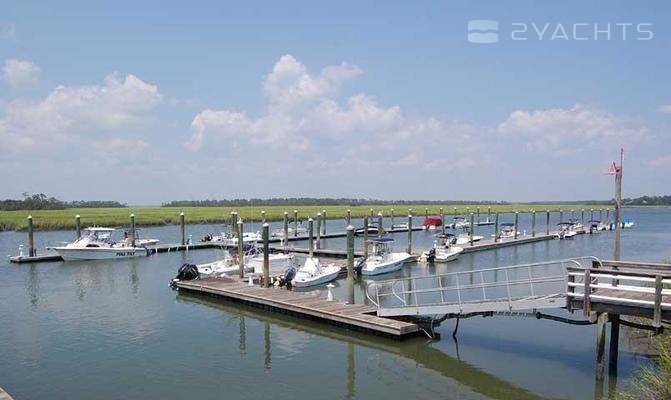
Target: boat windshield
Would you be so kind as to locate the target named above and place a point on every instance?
(97, 235)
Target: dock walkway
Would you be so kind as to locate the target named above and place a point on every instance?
(359, 317)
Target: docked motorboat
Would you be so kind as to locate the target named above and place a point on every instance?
(508, 230)
(431, 223)
(231, 239)
(485, 222)
(372, 229)
(596, 226)
(218, 268)
(458, 223)
(299, 231)
(400, 226)
(442, 251)
(382, 259)
(99, 244)
(625, 223)
(140, 240)
(565, 231)
(313, 273)
(576, 225)
(277, 262)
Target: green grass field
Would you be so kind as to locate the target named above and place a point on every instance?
(153, 216)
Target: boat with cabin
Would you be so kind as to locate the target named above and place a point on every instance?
(98, 243)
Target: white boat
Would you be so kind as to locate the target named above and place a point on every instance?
(508, 230)
(381, 259)
(458, 223)
(299, 231)
(401, 226)
(140, 240)
(565, 231)
(372, 230)
(312, 273)
(596, 226)
(277, 262)
(224, 266)
(465, 238)
(98, 244)
(485, 222)
(442, 251)
(231, 239)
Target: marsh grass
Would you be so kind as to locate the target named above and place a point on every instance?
(156, 216)
(653, 382)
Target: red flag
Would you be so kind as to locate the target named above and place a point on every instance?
(614, 169)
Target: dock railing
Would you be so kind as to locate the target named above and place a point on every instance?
(628, 284)
(516, 287)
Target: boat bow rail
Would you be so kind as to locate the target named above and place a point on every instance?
(517, 287)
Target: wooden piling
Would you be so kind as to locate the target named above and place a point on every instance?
(379, 224)
(350, 251)
(365, 236)
(478, 209)
(31, 237)
(657, 310)
(496, 227)
(234, 222)
(132, 230)
(311, 245)
(349, 217)
(470, 231)
(324, 222)
(614, 343)
(591, 214)
(78, 225)
(319, 230)
(426, 213)
(517, 217)
(442, 221)
(533, 223)
(392, 217)
(489, 213)
(409, 234)
(600, 344)
(266, 253)
(182, 233)
(295, 223)
(286, 229)
(582, 217)
(561, 215)
(241, 250)
(547, 222)
(263, 217)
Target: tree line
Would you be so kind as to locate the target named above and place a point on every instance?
(312, 201)
(41, 201)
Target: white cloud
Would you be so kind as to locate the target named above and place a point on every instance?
(309, 123)
(69, 113)
(20, 73)
(666, 109)
(563, 130)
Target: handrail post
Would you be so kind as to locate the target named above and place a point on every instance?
(510, 306)
(657, 318)
(569, 290)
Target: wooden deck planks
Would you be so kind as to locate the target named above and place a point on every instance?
(352, 316)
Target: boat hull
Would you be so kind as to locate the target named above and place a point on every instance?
(373, 268)
(99, 253)
(317, 280)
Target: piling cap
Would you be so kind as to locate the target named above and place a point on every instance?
(379, 214)
(240, 221)
(350, 228)
(265, 225)
(132, 215)
(30, 217)
(319, 214)
(182, 213)
(77, 216)
(286, 213)
(324, 211)
(310, 219)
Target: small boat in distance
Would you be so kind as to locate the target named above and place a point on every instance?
(565, 231)
(312, 273)
(382, 259)
(485, 222)
(231, 239)
(508, 230)
(372, 229)
(596, 226)
(400, 226)
(98, 244)
(442, 251)
(458, 223)
(299, 231)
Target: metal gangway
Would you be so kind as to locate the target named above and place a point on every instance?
(504, 289)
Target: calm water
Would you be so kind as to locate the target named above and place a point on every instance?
(115, 330)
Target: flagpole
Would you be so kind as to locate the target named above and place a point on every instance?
(618, 205)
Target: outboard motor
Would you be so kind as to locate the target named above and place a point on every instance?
(359, 266)
(431, 255)
(207, 238)
(187, 272)
(287, 277)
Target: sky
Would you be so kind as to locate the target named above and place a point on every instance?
(147, 102)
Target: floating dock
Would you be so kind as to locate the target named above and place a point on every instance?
(359, 317)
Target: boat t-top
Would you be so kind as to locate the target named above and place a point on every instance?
(508, 230)
(458, 222)
(382, 259)
(596, 225)
(443, 250)
(565, 231)
(431, 223)
(99, 244)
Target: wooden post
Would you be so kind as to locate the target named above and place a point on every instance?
(426, 213)
(132, 230)
(591, 214)
(517, 217)
(533, 223)
(324, 222)
(31, 238)
(234, 222)
(311, 244)
(614, 342)
(561, 215)
(582, 217)
(349, 217)
(489, 213)
(78, 224)
(455, 211)
(496, 227)
(570, 289)
(350, 251)
(182, 233)
(478, 213)
(379, 224)
(286, 229)
(295, 223)
(572, 214)
(241, 250)
(392, 218)
(657, 311)
(263, 217)
(365, 236)
(601, 214)
(409, 233)
(600, 343)
(266, 261)
(547, 222)
(442, 221)
(470, 231)
(319, 230)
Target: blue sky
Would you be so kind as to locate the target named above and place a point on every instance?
(148, 102)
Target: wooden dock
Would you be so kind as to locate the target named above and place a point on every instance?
(360, 317)
(4, 395)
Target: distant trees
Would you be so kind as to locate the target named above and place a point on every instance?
(648, 201)
(43, 202)
(311, 201)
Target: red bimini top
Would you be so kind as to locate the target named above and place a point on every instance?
(432, 221)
